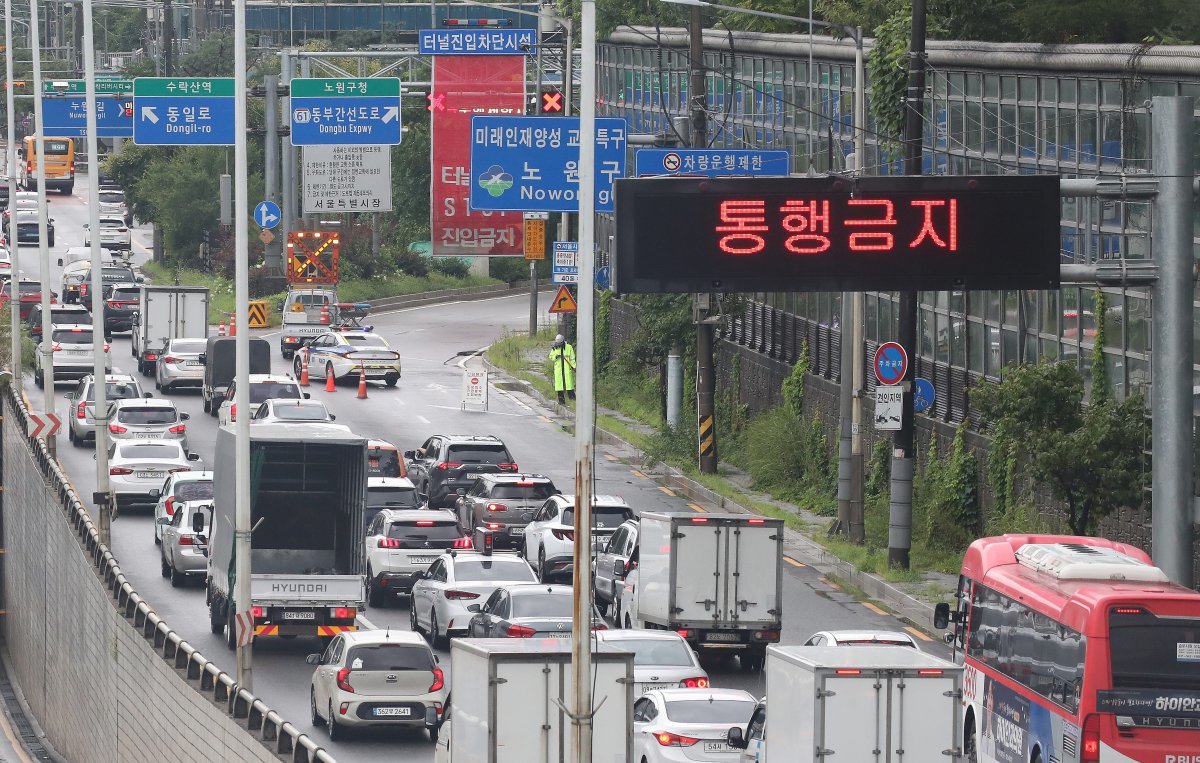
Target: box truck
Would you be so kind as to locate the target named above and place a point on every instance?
(307, 496)
(883, 704)
(714, 578)
(165, 313)
(509, 697)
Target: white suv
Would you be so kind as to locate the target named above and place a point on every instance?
(114, 234)
(71, 354)
(402, 543)
(263, 387)
(550, 535)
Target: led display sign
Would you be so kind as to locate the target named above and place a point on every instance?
(837, 234)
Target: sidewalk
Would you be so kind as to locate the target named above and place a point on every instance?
(912, 601)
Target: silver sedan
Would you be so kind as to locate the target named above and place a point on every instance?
(184, 540)
(179, 365)
(661, 659)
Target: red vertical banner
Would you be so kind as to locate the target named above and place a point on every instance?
(464, 86)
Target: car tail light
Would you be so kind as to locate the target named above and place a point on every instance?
(178, 429)
(507, 467)
(439, 680)
(151, 356)
(122, 230)
(667, 739)
(568, 535)
(113, 303)
(119, 470)
(106, 346)
(447, 466)
(848, 672)
(699, 682)
(1089, 750)
(460, 595)
(599, 627)
(169, 505)
(81, 411)
(683, 632)
(388, 543)
(343, 680)
(56, 347)
(772, 636)
(425, 523)
(186, 540)
(463, 542)
(519, 631)
(233, 412)
(343, 613)
(496, 507)
(179, 469)
(166, 358)
(257, 612)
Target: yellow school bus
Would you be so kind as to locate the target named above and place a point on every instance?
(60, 164)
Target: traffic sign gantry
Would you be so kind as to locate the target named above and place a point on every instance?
(267, 214)
(346, 112)
(183, 111)
(891, 363)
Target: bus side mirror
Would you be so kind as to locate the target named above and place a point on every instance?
(941, 616)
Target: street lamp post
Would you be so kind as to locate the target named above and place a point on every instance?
(11, 169)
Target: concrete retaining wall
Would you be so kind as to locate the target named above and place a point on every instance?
(108, 680)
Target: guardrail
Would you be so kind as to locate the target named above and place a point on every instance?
(278, 735)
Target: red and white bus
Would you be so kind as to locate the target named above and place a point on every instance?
(1076, 650)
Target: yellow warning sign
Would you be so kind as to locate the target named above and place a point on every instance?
(563, 301)
(258, 315)
(266, 236)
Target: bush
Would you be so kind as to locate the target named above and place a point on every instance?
(410, 262)
(451, 266)
(508, 269)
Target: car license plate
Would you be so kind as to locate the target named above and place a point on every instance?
(148, 435)
(723, 637)
(516, 530)
(75, 353)
(643, 688)
(193, 364)
(558, 634)
(401, 711)
(422, 559)
(299, 615)
(148, 475)
(717, 747)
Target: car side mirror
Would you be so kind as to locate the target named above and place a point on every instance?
(431, 717)
(473, 608)
(332, 417)
(193, 456)
(461, 491)
(108, 338)
(60, 262)
(422, 498)
(203, 359)
(185, 416)
(140, 279)
(156, 494)
(307, 395)
(411, 455)
(147, 395)
(313, 659)
(941, 616)
(734, 738)
(197, 522)
(86, 226)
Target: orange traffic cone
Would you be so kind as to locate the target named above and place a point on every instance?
(362, 383)
(303, 370)
(324, 315)
(221, 328)
(330, 385)
(233, 325)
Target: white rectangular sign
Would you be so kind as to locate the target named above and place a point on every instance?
(347, 178)
(475, 387)
(565, 253)
(889, 408)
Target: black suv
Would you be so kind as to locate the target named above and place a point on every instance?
(60, 315)
(504, 503)
(120, 303)
(446, 463)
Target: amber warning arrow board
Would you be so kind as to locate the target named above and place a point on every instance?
(563, 301)
(312, 257)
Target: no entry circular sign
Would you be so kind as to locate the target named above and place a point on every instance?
(891, 363)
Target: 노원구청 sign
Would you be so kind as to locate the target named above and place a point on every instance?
(347, 178)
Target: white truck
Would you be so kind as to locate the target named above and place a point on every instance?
(307, 498)
(877, 704)
(507, 700)
(165, 313)
(307, 313)
(717, 579)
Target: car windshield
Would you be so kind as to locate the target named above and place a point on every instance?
(301, 412)
(466, 570)
(112, 222)
(656, 651)
(124, 295)
(72, 336)
(147, 416)
(479, 454)
(389, 657)
(111, 197)
(309, 300)
(365, 340)
(383, 463)
(533, 491)
(602, 516)
(404, 497)
(117, 391)
(424, 533)
(542, 603)
(194, 490)
(116, 275)
(722, 711)
(263, 391)
(65, 315)
(150, 450)
(186, 346)
(30, 287)
(1148, 652)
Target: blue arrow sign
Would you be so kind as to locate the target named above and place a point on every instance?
(67, 117)
(710, 162)
(923, 395)
(267, 214)
(183, 111)
(531, 164)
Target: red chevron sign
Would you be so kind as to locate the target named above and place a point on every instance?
(43, 424)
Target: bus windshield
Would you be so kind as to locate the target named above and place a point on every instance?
(1149, 652)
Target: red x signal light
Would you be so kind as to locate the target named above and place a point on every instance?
(552, 102)
(436, 102)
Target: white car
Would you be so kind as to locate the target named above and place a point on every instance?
(148, 419)
(861, 638)
(346, 353)
(625, 601)
(688, 725)
(391, 493)
(72, 355)
(184, 549)
(441, 595)
(401, 544)
(263, 387)
(661, 659)
(5, 264)
(135, 469)
(112, 204)
(550, 535)
(377, 678)
(178, 489)
(292, 412)
(114, 234)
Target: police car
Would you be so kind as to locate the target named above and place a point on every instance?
(346, 353)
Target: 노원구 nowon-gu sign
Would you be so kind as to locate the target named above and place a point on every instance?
(837, 234)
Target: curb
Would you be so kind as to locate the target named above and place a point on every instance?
(910, 608)
(443, 295)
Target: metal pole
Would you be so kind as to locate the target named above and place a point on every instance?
(168, 39)
(585, 412)
(1171, 472)
(11, 165)
(706, 377)
(674, 386)
(289, 151)
(900, 504)
(241, 398)
(310, 220)
(43, 244)
(99, 371)
(533, 280)
(857, 311)
(564, 227)
(272, 252)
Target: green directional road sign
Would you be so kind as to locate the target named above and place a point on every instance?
(104, 86)
(346, 112)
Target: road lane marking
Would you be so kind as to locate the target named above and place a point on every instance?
(694, 507)
(830, 583)
(793, 562)
(472, 410)
(609, 456)
(546, 419)
(422, 419)
(639, 475)
(917, 632)
(875, 609)
(666, 490)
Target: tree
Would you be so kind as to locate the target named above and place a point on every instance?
(1090, 459)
